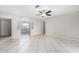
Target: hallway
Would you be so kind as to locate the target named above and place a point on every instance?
(38, 44)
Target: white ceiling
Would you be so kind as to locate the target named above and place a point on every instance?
(30, 10)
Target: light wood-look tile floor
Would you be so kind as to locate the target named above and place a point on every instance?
(38, 44)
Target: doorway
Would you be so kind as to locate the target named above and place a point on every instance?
(25, 28)
(5, 27)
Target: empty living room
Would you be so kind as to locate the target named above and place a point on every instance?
(39, 28)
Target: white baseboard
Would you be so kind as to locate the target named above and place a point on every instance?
(65, 37)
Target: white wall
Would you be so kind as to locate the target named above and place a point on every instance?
(37, 27)
(15, 29)
(64, 26)
(36, 30)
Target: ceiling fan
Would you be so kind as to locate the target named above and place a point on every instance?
(43, 12)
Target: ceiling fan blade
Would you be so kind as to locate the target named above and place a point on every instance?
(37, 6)
(40, 12)
(48, 11)
(48, 14)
